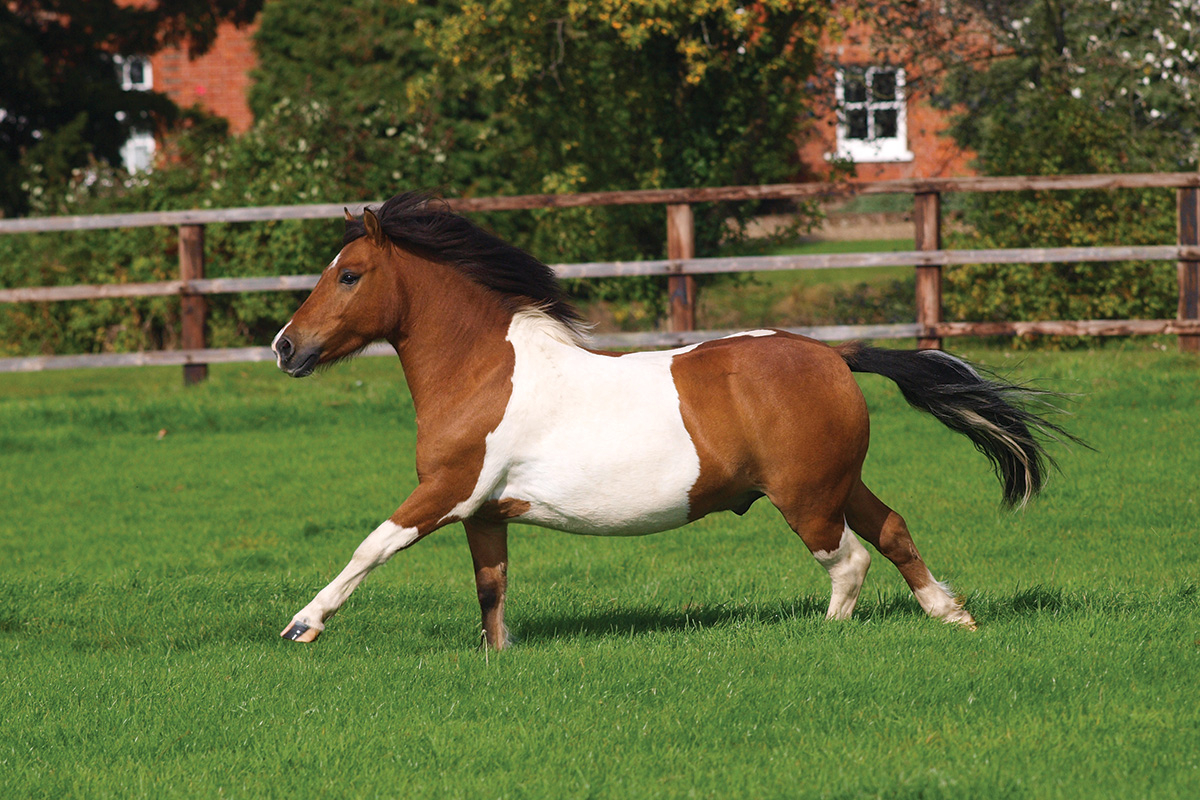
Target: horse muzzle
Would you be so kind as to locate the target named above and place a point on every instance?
(299, 362)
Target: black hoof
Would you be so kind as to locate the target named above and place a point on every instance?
(295, 631)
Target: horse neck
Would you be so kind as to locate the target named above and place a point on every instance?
(452, 338)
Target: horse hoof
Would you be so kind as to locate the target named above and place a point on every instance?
(299, 632)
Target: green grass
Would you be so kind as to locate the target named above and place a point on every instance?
(144, 581)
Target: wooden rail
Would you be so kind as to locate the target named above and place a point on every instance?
(680, 266)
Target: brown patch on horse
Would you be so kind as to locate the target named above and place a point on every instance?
(501, 510)
(776, 415)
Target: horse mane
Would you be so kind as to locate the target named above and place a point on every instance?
(425, 223)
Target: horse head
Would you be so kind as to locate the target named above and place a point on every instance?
(354, 303)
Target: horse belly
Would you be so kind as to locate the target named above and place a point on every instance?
(611, 455)
(642, 493)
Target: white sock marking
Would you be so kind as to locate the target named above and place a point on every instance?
(847, 567)
(382, 543)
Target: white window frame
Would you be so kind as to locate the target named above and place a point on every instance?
(124, 65)
(874, 149)
(137, 154)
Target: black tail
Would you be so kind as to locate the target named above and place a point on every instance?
(990, 412)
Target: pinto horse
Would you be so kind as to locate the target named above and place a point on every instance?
(519, 421)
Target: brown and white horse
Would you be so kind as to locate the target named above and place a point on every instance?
(518, 421)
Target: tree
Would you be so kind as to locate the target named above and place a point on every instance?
(61, 98)
(624, 94)
(534, 96)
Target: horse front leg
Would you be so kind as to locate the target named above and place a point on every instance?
(426, 510)
(489, 555)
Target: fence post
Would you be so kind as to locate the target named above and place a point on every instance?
(194, 308)
(681, 289)
(1188, 208)
(927, 219)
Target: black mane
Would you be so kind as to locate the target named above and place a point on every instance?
(425, 223)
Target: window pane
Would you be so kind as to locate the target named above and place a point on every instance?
(856, 123)
(885, 123)
(883, 86)
(137, 71)
(855, 88)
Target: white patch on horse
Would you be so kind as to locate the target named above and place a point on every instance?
(333, 264)
(757, 333)
(847, 567)
(595, 444)
(275, 341)
(382, 543)
(938, 601)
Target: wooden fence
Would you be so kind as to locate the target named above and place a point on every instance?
(680, 266)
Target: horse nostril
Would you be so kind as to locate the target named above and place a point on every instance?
(284, 348)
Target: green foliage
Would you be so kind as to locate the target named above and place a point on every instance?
(297, 153)
(529, 96)
(628, 95)
(1068, 136)
(516, 96)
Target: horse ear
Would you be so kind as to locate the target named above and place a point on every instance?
(374, 230)
(349, 216)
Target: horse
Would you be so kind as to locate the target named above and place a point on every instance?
(518, 420)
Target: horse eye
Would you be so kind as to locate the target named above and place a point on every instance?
(348, 278)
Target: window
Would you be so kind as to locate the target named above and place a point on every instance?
(135, 73)
(137, 154)
(871, 115)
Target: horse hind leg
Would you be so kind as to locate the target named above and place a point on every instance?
(847, 566)
(886, 530)
(837, 549)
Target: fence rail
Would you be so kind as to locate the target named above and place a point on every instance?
(680, 266)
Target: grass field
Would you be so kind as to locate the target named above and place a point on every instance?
(145, 577)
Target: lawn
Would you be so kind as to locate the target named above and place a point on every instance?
(155, 540)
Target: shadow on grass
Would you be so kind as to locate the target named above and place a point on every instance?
(179, 618)
(642, 620)
(1028, 603)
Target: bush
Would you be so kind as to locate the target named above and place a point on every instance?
(1048, 132)
(277, 163)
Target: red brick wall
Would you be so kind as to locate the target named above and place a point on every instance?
(218, 81)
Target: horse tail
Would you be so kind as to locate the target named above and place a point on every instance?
(991, 412)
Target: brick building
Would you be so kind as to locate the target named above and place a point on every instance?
(218, 81)
(873, 112)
